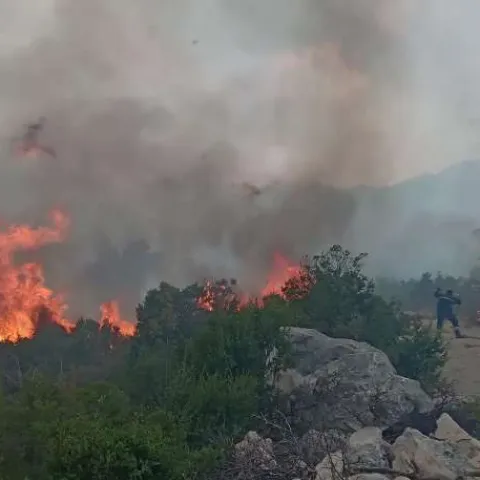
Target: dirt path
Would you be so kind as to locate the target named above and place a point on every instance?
(463, 365)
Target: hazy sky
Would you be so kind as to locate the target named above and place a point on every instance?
(159, 109)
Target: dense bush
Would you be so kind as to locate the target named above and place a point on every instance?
(50, 431)
(169, 402)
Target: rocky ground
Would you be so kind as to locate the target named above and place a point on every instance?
(448, 454)
(463, 366)
(348, 415)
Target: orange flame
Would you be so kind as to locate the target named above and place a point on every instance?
(110, 315)
(282, 273)
(206, 300)
(220, 294)
(23, 294)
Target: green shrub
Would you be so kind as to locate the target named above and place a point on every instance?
(213, 408)
(84, 448)
(419, 354)
(238, 343)
(52, 432)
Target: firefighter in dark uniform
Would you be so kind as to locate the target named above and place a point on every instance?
(446, 301)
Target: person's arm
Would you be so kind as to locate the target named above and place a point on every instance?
(453, 300)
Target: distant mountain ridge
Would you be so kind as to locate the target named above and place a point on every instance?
(453, 187)
(424, 223)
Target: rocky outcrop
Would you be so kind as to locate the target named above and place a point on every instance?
(463, 417)
(349, 416)
(366, 448)
(443, 459)
(448, 429)
(451, 455)
(342, 384)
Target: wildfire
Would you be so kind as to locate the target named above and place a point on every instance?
(110, 315)
(25, 300)
(206, 300)
(221, 294)
(24, 297)
(23, 294)
(283, 272)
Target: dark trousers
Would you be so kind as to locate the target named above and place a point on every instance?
(451, 318)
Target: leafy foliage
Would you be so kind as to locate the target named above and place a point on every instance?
(420, 355)
(243, 341)
(53, 432)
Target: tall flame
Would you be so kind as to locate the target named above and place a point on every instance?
(23, 294)
(110, 315)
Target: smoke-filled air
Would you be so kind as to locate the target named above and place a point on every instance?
(180, 140)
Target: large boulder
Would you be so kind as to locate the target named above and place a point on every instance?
(448, 429)
(467, 446)
(415, 453)
(338, 383)
(367, 449)
(463, 416)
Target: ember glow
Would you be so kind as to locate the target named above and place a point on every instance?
(110, 315)
(221, 295)
(206, 300)
(23, 293)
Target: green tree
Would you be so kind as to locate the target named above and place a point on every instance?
(168, 315)
(166, 319)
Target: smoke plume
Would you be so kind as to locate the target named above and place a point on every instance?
(160, 111)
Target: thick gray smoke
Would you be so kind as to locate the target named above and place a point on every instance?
(159, 111)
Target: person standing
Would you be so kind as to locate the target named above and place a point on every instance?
(446, 301)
